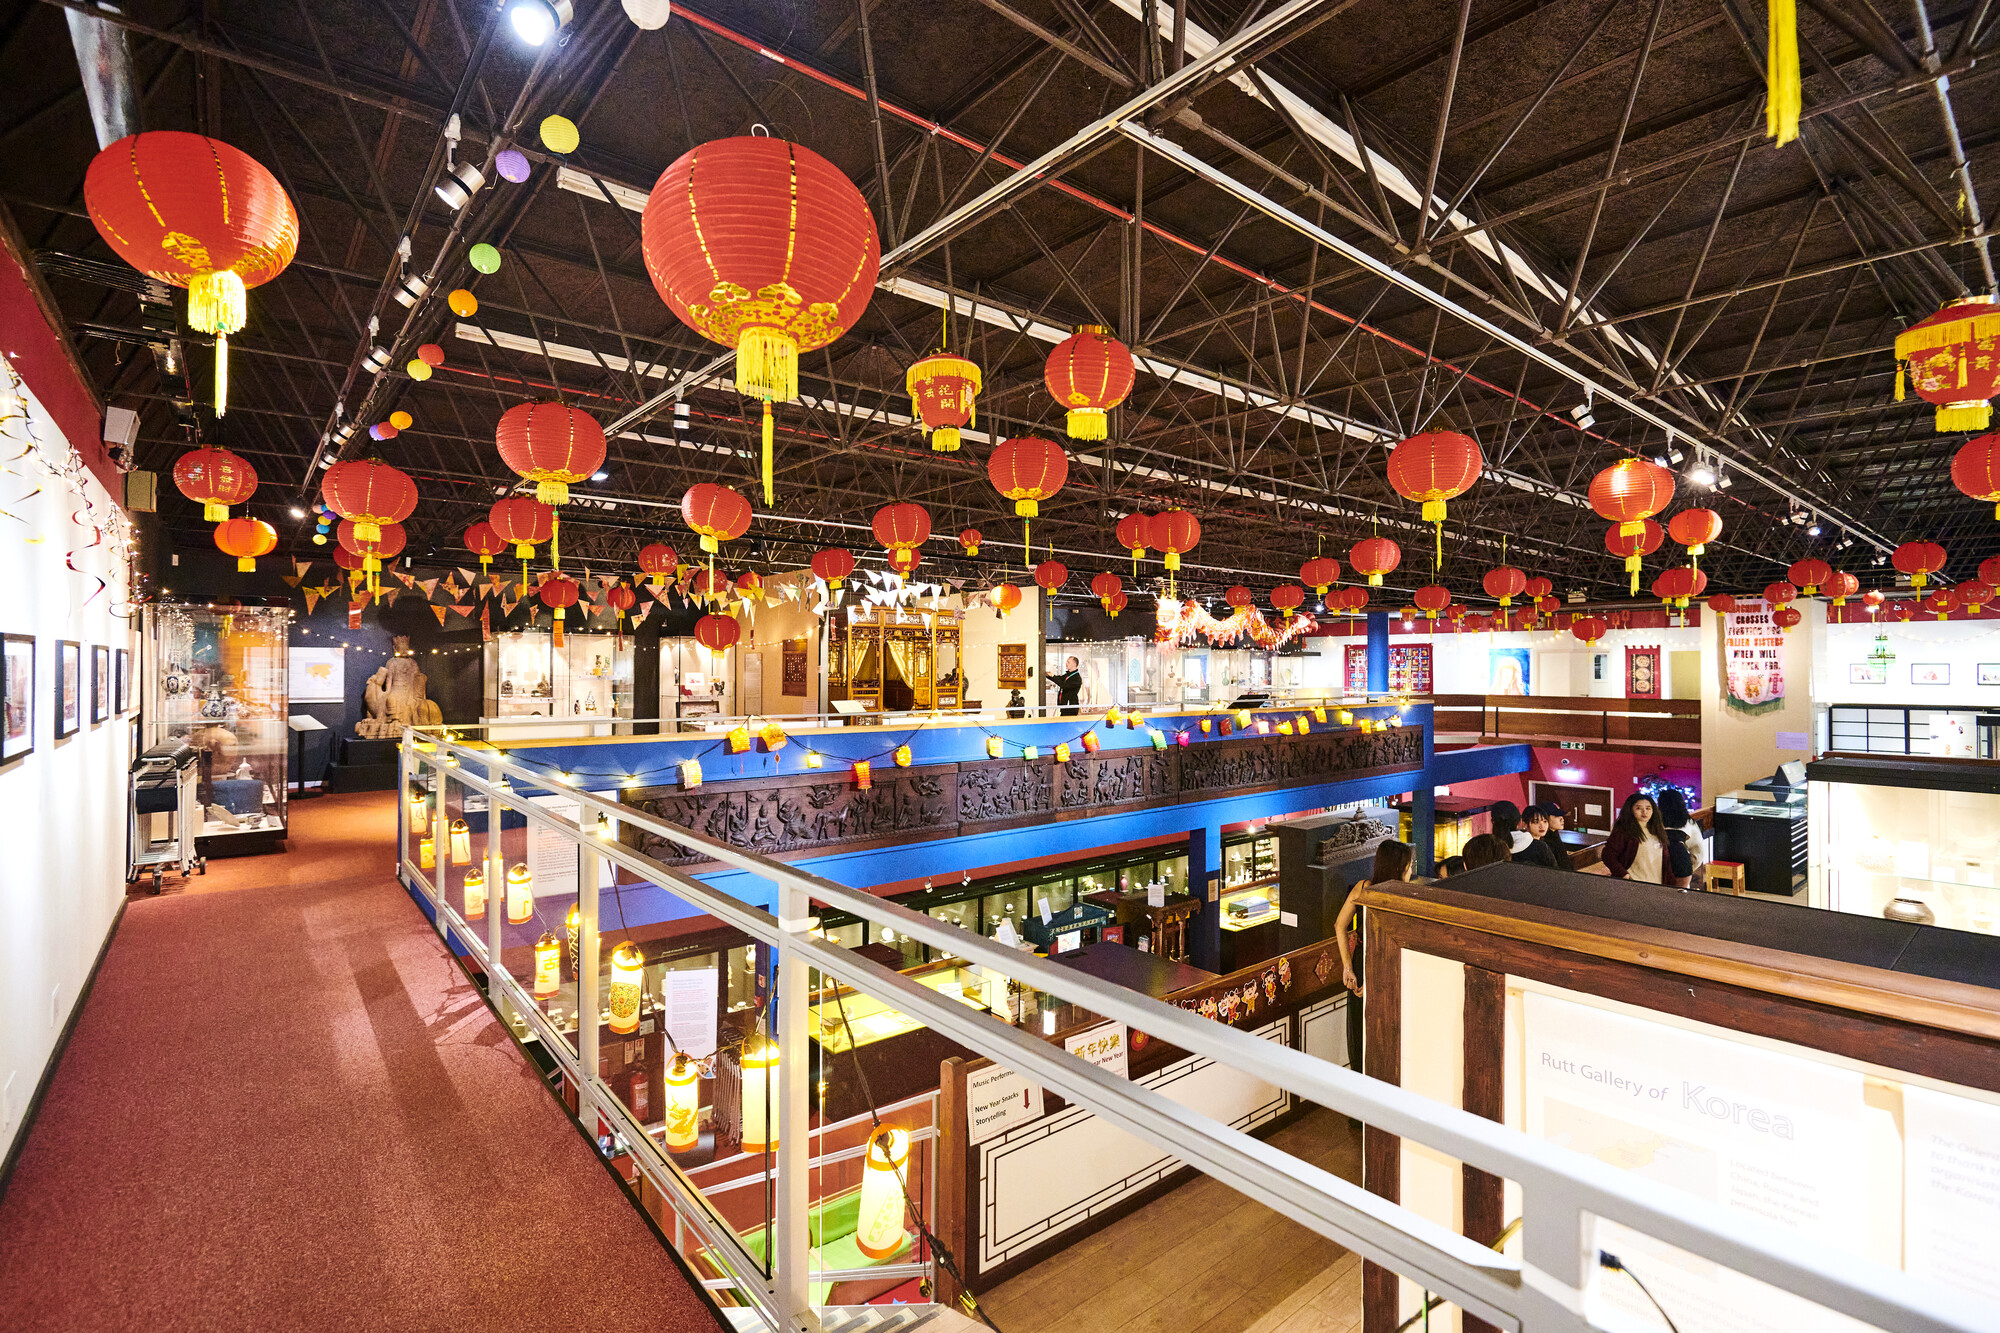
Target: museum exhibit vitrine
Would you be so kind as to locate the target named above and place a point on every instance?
(216, 678)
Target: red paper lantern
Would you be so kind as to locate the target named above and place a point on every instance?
(1631, 491)
(1680, 585)
(1634, 546)
(214, 479)
(621, 599)
(905, 561)
(902, 527)
(1871, 599)
(246, 539)
(1919, 560)
(195, 213)
(371, 493)
(387, 546)
(1810, 575)
(1135, 535)
(1288, 597)
(833, 564)
(1027, 470)
(1432, 468)
(1089, 373)
(484, 542)
(1375, 556)
(1785, 617)
(522, 522)
(1722, 603)
(1902, 610)
(943, 389)
(969, 539)
(1941, 603)
(1320, 573)
(1989, 571)
(751, 585)
(1240, 597)
(1050, 575)
(717, 633)
(1975, 468)
(1951, 362)
(1589, 628)
(1781, 592)
(1115, 603)
(1547, 606)
(1973, 594)
(1538, 587)
(710, 585)
(552, 445)
(1105, 586)
(1841, 587)
(1173, 533)
(1504, 583)
(1431, 599)
(559, 592)
(766, 247)
(716, 513)
(1695, 529)
(1006, 596)
(431, 355)
(1351, 600)
(658, 560)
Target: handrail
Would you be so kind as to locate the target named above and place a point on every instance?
(1542, 1290)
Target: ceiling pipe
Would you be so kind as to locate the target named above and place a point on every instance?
(105, 61)
(1941, 86)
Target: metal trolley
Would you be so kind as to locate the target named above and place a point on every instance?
(163, 783)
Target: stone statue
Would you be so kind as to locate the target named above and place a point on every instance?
(394, 697)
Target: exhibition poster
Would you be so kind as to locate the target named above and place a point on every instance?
(1753, 666)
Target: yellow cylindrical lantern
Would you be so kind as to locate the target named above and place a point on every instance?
(461, 842)
(573, 921)
(628, 975)
(427, 853)
(760, 1077)
(520, 895)
(420, 809)
(548, 966)
(475, 894)
(878, 1231)
(682, 1112)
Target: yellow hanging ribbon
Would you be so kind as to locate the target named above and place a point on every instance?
(1783, 86)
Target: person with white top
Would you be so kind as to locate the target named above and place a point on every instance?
(1637, 849)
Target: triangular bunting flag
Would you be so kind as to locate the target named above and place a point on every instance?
(429, 586)
(314, 594)
(300, 567)
(465, 577)
(640, 613)
(388, 596)
(405, 579)
(292, 580)
(507, 605)
(463, 608)
(441, 614)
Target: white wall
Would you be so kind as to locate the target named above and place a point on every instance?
(981, 634)
(770, 626)
(62, 867)
(1961, 645)
(1560, 662)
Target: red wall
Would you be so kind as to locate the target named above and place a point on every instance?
(1588, 768)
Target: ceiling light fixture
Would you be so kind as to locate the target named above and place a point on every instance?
(599, 476)
(1701, 474)
(535, 21)
(460, 184)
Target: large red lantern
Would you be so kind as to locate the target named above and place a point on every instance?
(371, 493)
(902, 527)
(1785, 618)
(552, 445)
(214, 479)
(833, 564)
(1589, 628)
(1695, 529)
(1841, 586)
(1135, 535)
(1919, 560)
(1089, 373)
(1051, 575)
(1680, 585)
(559, 592)
(717, 633)
(1941, 603)
(1431, 599)
(1722, 603)
(1537, 588)
(1973, 594)
(1435, 467)
(658, 560)
(195, 213)
(1288, 597)
(1781, 592)
(1320, 573)
(1173, 533)
(1027, 470)
(1951, 362)
(716, 513)
(766, 247)
(1375, 556)
(1106, 586)
(374, 554)
(484, 542)
(969, 539)
(1504, 583)
(1810, 574)
(1634, 546)
(1975, 469)
(943, 389)
(1631, 491)
(246, 539)
(1240, 597)
(1989, 571)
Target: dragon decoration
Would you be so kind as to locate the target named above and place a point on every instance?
(1181, 623)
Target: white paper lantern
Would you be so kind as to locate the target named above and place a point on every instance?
(682, 1113)
(475, 894)
(520, 895)
(649, 14)
(548, 966)
(878, 1230)
(628, 974)
(760, 1074)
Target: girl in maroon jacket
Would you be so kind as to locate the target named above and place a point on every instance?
(1637, 849)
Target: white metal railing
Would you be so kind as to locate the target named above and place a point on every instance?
(1560, 1191)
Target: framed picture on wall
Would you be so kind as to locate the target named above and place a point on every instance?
(1011, 666)
(1930, 673)
(122, 694)
(1642, 673)
(100, 683)
(17, 696)
(1989, 673)
(69, 688)
(1867, 673)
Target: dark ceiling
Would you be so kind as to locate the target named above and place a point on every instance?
(1604, 158)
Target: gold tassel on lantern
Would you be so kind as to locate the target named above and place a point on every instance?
(1632, 567)
(218, 304)
(1783, 95)
(552, 491)
(770, 430)
(559, 627)
(1086, 423)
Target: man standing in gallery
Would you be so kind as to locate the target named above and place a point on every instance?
(1069, 688)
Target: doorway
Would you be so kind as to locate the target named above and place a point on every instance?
(1586, 809)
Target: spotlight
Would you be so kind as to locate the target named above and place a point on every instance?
(1674, 454)
(461, 183)
(681, 416)
(535, 21)
(298, 512)
(1701, 474)
(1725, 482)
(599, 476)
(377, 358)
(1812, 529)
(1583, 415)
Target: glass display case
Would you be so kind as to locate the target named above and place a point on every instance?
(1767, 836)
(841, 1018)
(696, 684)
(1249, 860)
(218, 679)
(588, 678)
(896, 659)
(1907, 853)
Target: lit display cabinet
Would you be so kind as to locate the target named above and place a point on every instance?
(696, 683)
(1911, 839)
(588, 680)
(896, 660)
(218, 679)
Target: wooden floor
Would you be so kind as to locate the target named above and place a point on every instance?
(1204, 1259)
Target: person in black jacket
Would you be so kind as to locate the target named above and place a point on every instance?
(1551, 836)
(1522, 846)
(1069, 688)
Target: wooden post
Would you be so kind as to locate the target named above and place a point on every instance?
(1381, 1151)
(953, 1165)
(1484, 1204)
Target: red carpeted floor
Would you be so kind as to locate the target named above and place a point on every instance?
(286, 1108)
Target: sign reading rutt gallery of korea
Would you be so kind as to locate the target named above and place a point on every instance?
(997, 1099)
